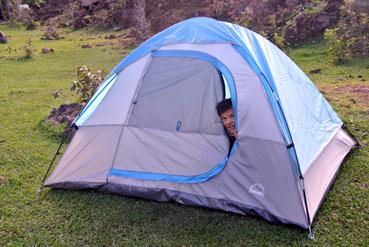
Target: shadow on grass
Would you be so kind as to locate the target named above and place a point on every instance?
(52, 132)
(141, 221)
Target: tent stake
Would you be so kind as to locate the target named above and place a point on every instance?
(57, 152)
(311, 235)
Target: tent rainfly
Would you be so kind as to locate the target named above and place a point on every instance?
(151, 129)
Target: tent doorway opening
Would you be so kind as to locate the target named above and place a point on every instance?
(174, 123)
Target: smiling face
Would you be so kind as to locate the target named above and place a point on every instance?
(228, 120)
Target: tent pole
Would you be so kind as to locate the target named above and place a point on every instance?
(292, 145)
(57, 152)
(344, 127)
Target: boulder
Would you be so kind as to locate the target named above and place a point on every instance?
(86, 46)
(31, 26)
(87, 3)
(46, 50)
(62, 25)
(79, 22)
(3, 38)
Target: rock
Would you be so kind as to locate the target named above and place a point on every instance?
(46, 50)
(66, 112)
(107, 26)
(88, 3)
(23, 6)
(112, 36)
(52, 50)
(86, 46)
(315, 71)
(62, 25)
(79, 22)
(31, 26)
(117, 29)
(3, 38)
(111, 5)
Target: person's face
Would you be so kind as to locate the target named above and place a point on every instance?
(228, 121)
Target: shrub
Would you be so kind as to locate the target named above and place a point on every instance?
(52, 32)
(101, 18)
(20, 18)
(350, 39)
(87, 82)
(28, 49)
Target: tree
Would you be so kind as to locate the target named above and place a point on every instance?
(7, 6)
(139, 17)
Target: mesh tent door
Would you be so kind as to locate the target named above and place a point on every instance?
(173, 131)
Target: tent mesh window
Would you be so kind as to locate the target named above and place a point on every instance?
(179, 94)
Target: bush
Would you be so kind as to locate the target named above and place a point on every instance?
(275, 27)
(52, 32)
(86, 84)
(28, 49)
(102, 18)
(20, 18)
(350, 39)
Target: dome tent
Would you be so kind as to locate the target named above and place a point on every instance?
(151, 129)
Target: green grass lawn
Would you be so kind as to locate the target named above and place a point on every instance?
(91, 218)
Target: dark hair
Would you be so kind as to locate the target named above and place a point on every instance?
(224, 105)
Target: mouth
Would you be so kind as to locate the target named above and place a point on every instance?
(231, 128)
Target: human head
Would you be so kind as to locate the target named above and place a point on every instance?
(224, 105)
(226, 113)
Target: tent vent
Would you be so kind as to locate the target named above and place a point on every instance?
(257, 189)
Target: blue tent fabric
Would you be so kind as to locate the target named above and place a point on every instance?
(304, 111)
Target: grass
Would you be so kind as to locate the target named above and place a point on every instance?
(91, 218)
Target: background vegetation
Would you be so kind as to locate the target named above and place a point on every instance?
(83, 218)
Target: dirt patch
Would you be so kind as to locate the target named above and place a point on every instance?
(347, 94)
(65, 113)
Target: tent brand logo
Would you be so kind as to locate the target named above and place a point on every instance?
(257, 189)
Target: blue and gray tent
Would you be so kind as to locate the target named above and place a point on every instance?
(151, 130)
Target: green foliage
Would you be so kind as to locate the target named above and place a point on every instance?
(20, 18)
(87, 82)
(350, 39)
(246, 20)
(52, 32)
(70, 8)
(275, 26)
(29, 2)
(101, 18)
(28, 49)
